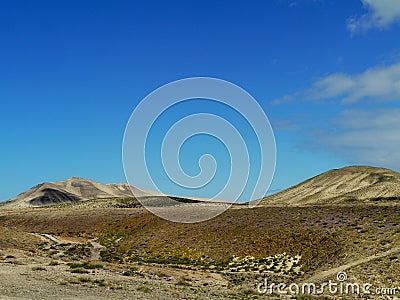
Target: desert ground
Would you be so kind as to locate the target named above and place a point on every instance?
(80, 239)
(71, 252)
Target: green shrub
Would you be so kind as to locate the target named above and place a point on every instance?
(100, 282)
(79, 271)
(144, 289)
(85, 265)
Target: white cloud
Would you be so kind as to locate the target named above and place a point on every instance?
(285, 125)
(369, 134)
(381, 84)
(380, 14)
(331, 86)
(363, 136)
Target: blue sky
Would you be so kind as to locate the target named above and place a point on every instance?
(327, 74)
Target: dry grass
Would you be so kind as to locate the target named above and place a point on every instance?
(324, 236)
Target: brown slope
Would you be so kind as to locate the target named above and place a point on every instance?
(350, 184)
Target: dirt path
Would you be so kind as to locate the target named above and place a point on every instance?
(95, 252)
(322, 275)
(49, 237)
(95, 255)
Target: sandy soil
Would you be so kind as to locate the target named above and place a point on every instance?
(27, 277)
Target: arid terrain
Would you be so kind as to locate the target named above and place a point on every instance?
(112, 248)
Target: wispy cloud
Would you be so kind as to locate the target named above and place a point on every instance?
(285, 125)
(369, 134)
(381, 84)
(365, 136)
(380, 14)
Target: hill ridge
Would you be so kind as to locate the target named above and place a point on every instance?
(73, 189)
(344, 185)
